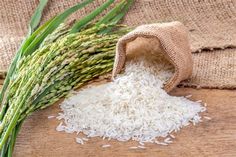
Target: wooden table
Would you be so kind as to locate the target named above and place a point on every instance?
(211, 138)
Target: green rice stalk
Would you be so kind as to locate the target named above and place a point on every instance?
(31, 43)
(55, 59)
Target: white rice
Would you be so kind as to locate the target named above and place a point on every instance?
(142, 147)
(208, 118)
(79, 141)
(168, 140)
(85, 139)
(188, 96)
(161, 143)
(132, 107)
(106, 146)
(199, 101)
(172, 136)
(50, 117)
(141, 143)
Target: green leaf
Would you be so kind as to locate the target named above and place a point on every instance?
(52, 26)
(123, 12)
(85, 20)
(115, 19)
(35, 34)
(35, 20)
(111, 14)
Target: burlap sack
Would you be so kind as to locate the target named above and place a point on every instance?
(211, 25)
(174, 42)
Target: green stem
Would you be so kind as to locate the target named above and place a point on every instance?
(13, 139)
(10, 127)
(11, 143)
(4, 150)
(8, 147)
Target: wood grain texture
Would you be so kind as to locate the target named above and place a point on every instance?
(211, 138)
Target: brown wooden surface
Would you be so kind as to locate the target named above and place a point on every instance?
(213, 138)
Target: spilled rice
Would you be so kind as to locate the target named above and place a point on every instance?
(132, 107)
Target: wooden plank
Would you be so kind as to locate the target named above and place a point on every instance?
(1, 82)
(213, 138)
(2, 74)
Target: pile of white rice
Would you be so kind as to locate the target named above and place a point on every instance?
(133, 107)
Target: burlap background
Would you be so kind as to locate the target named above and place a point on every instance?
(211, 23)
